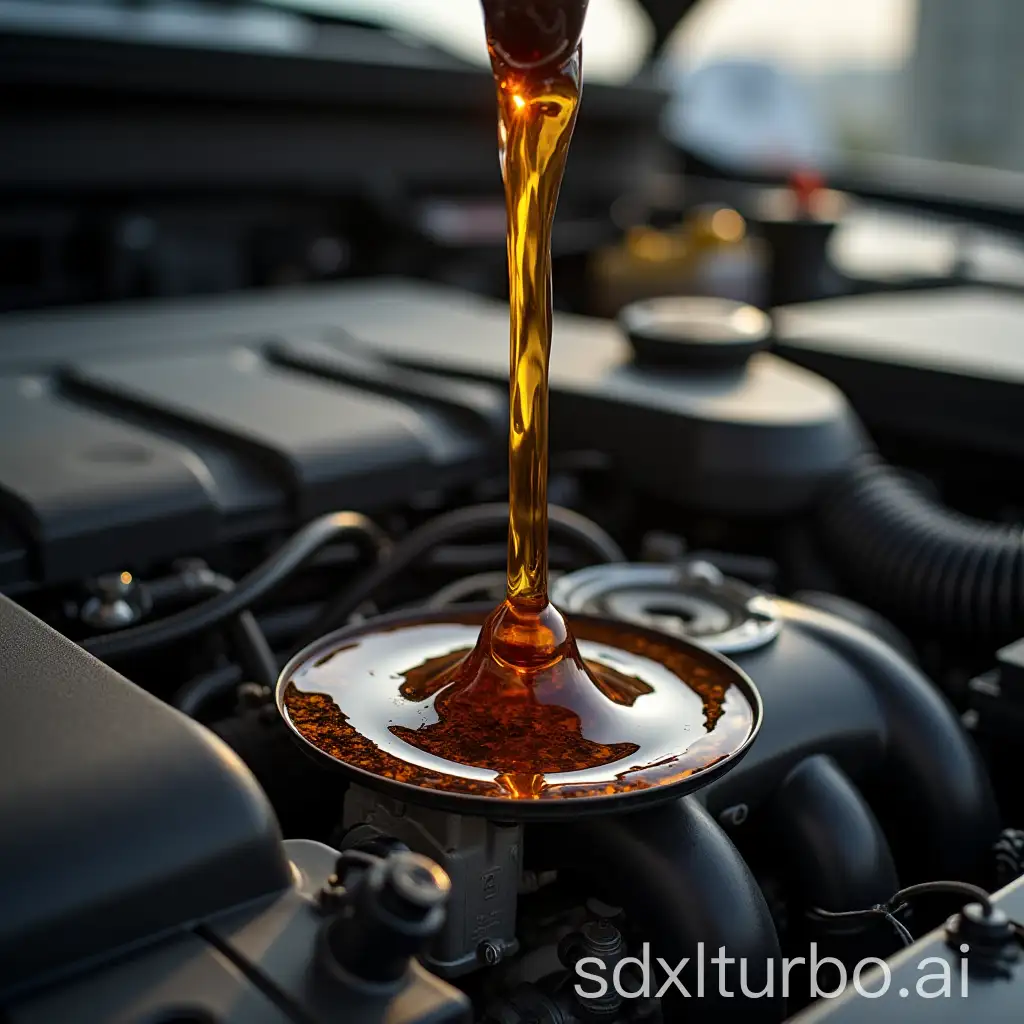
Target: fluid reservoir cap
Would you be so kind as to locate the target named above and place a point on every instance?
(691, 599)
(695, 332)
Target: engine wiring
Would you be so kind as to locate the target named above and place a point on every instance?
(301, 547)
(888, 910)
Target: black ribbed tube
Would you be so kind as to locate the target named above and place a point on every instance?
(911, 557)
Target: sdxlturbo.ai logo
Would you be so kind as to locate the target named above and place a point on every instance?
(635, 977)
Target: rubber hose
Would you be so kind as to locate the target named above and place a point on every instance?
(250, 589)
(252, 652)
(910, 556)
(446, 527)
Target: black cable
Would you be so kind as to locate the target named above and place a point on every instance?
(198, 692)
(250, 589)
(899, 900)
(975, 892)
(196, 581)
(571, 525)
(483, 586)
(869, 914)
(880, 910)
(252, 651)
(900, 928)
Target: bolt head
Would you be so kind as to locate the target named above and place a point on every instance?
(331, 896)
(489, 953)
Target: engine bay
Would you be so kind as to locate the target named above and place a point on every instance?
(341, 641)
(744, 531)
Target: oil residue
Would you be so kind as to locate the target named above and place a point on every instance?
(651, 711)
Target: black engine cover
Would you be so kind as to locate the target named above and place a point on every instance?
(121, 819)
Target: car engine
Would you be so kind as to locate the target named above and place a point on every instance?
(200, 487)
(194, 487)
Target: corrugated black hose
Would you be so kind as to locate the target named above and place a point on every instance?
(911, 557)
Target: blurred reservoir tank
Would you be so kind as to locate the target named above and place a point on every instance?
(710, 252)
